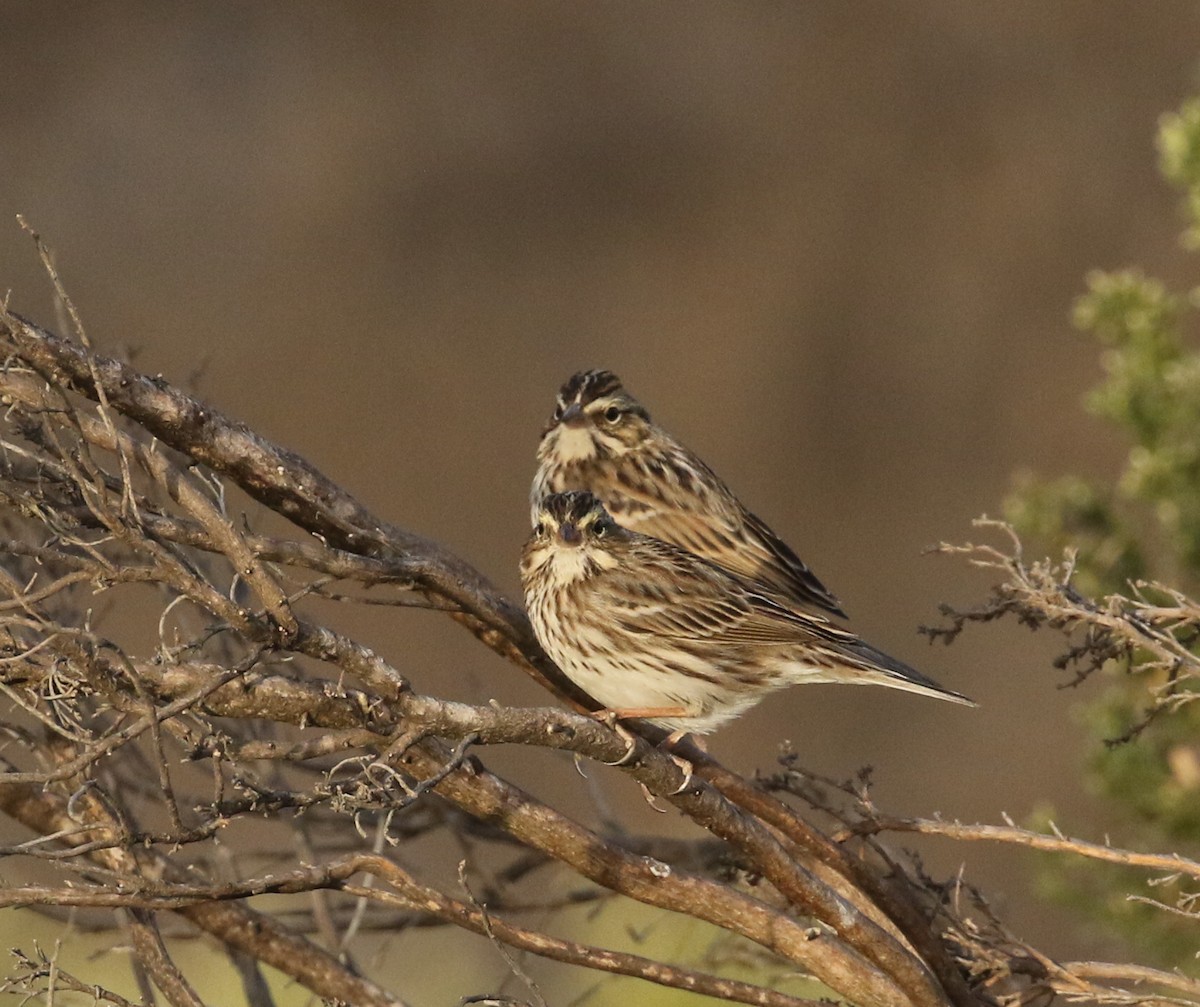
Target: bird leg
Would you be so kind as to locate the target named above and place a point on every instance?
(608, 716)
(675, 737)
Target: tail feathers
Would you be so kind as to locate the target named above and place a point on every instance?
(883, 669)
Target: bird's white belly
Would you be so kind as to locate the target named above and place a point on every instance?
(621, 675)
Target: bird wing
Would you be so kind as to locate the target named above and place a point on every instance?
(674, 595)
(711, 522)
(789, 570)
(678, 595)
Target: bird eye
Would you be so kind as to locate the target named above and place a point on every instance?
(601, 529)
(558, 411)
(612, 414)
(539, 529)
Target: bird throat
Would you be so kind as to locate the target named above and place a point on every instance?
(575, 444)
(569, 565)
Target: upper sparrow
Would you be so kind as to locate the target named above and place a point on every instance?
(649, 630)
(602, 440)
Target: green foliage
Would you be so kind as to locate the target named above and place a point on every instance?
(1179, 149)
(1152, 391)
(1071, 510)
(1155, 777)
(1099, 893)
(1144, 523)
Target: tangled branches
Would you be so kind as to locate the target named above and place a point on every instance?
(167, 683)
(1153, 632)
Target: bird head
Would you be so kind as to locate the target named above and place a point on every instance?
(594, 417)
(573, 519)
(574, 534)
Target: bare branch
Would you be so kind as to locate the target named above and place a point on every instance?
(1171, 863)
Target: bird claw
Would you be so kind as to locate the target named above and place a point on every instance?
(609, 717)
(689, 779)
(688, 770)
(650, 799)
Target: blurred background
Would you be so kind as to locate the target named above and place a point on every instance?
(832, 247)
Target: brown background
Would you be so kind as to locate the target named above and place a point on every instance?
(832, 246)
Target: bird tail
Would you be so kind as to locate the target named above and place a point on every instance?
(883, 669)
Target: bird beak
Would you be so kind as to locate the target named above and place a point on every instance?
(569, 533)
(573, 415)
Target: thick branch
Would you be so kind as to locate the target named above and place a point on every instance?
(289, 485)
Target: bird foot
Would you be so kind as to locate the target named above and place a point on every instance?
(689, 771)
(612, 718)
